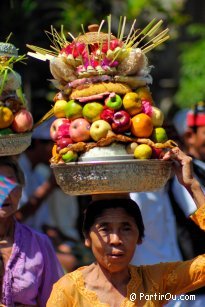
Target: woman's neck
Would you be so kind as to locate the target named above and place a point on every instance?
(115, 278)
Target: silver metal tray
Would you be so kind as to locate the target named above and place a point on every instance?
(117, 176)
(14, 144)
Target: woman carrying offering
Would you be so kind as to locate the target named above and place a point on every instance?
(28, 265)
(112, 228)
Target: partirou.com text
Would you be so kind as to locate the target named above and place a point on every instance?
(161, 297)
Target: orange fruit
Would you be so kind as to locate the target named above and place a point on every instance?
(6, 117)
(141, 125)
(145, 94)
(54, 150)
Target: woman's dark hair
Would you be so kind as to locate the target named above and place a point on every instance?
(12, 162)
(96, 208)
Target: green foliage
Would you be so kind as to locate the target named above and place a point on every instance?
(192, 68)
(77, 12)
(170, 10)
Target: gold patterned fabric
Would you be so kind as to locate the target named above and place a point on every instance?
(149, 285)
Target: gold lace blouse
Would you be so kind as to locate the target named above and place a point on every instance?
(149, 285)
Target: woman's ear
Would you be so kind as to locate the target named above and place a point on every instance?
(87, 242)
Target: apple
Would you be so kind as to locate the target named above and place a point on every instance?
(99, 129)
(157, 153)
(73, 110)
(113, 101)
(59, 108)
(23, 121)
(59, 128)
(70, 156)
(157, 117)
(63, 142)
(121, 121)
(132, 103)
(107, 115)
(79, 130)
(92, 111)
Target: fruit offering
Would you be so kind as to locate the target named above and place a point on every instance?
(104, 96)
(14, 114)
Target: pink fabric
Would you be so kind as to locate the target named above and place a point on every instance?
(31, 270)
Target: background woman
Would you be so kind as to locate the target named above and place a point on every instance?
(28, 265)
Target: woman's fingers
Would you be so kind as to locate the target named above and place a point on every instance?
(182, 165)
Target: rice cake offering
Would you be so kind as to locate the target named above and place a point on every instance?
(104, 108)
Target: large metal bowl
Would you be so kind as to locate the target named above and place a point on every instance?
(14, 144)
(119, 176)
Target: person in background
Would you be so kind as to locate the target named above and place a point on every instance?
(112, 227)
(28, 264)
(193, 136)
(44, 206)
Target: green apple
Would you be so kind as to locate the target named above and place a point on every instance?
(73, 110)
(59, 108)
(113, 101)
(157, 117)
(92, 111)
(159, 135)
(99, 129)
(70, 156)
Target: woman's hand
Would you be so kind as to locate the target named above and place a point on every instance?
(184, 171)
(182, 166)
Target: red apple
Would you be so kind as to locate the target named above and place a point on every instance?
(121, 121)
(157, 153)
(59, 128)
(63, 142)
(79, 130)
(23, 121)
(107, 115)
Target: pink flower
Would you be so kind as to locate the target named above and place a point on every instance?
(146, 107)
(107, 62)
(76, 49)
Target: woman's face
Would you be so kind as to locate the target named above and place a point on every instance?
(196, 143)
(113, 239)
(10, 204)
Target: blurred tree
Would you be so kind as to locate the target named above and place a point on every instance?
(191, 57)
(27, 20)
(192, 67)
